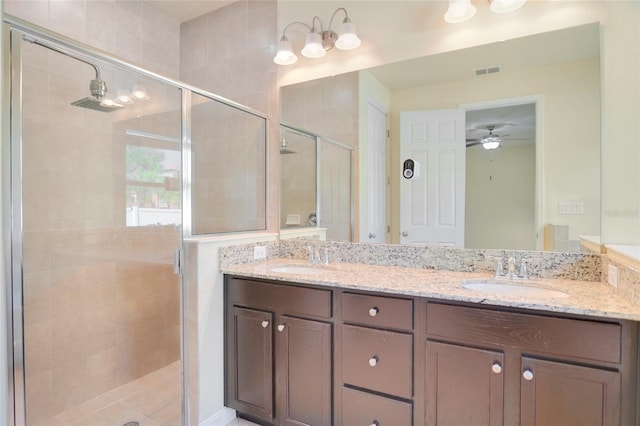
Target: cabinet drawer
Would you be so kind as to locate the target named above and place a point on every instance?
(377, 311)
(286, 299)
(583, 339)
(361, 408)
(378, 360)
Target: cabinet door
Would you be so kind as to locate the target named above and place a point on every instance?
(304, 372)
(250, 362)
(464, 386)
(554, 393)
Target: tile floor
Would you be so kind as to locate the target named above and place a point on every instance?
(152, 400)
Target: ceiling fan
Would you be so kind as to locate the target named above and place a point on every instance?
(490, 141)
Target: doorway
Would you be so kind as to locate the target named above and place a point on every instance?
(500, 196)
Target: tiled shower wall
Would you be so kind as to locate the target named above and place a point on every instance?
(101, 300)
(230, 52)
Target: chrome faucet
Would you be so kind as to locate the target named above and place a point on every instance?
(511, 273)
(316, 256)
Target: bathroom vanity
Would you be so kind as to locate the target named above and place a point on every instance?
(365, 345)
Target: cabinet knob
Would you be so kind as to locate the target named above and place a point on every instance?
(496, 368)
(281, 327)
(527, 375)
(375, 423)
(373, 361)
(374, 311)
(265, 324)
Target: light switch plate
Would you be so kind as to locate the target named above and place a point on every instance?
(612, 275)
(259, 252)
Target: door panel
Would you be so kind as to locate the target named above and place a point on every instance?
(304, 372)
(565, 394)
(250, 362)
(432, 200)
(376, 176)
(465, 386)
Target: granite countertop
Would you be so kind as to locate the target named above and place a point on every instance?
(584, 298)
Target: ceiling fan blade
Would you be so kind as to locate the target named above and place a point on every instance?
(470, 144)
(473, 140)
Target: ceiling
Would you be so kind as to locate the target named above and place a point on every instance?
(518, 122)
(515, 124)
(186, 10)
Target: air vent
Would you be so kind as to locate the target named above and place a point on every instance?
(485, 71)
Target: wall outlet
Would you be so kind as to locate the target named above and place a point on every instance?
(259, 253)
(612, 276)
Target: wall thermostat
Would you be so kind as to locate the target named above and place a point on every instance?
(410, 169)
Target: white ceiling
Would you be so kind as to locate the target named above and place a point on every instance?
(532, 51)
(186, 10)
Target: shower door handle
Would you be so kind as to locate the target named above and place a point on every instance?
(177, 262)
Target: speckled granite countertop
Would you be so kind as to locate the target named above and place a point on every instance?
(585, 298)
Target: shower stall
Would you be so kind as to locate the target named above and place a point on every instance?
(110, 168)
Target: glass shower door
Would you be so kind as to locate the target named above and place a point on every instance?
(100, 210)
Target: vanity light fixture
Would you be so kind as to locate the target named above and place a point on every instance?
(319, 40)
(462, 10)
(504, 6)
(459, 11)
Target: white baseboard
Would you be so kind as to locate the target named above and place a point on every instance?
(221, 418)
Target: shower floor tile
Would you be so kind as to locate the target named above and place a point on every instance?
(152, 400)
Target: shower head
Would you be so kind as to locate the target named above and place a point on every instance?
(283, 147)
(96, 105)
(97, 87)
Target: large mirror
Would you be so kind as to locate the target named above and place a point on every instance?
(539, 96)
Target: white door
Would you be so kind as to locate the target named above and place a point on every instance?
(432, 200)
(376, 206)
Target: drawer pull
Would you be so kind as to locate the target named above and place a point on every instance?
(496, 368)
(527, 375)
(265, 324)
(374, 311)
(281, 327)
(373, 361)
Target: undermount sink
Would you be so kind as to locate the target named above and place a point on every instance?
(299, 269)
(511, 289)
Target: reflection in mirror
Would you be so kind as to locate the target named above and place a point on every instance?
(559, 69)
(315, 186)
(297, 178)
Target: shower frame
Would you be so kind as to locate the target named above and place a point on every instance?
(12, 226)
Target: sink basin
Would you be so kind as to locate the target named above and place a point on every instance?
(299, 269)
(511, 289)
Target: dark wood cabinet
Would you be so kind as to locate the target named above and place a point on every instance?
(250, 362)
(494, 367)
(279, 365)
(303, 371)
(402, 361)
(465, 386)
(566, 394)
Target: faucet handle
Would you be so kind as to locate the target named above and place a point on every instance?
(523, 269)
(499, 266)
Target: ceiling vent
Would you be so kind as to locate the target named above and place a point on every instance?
(485, 71)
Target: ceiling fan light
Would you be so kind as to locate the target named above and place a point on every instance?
(505, 6)
(459, 11)
(285, 55)
(313, 47)
(491, 145)
(347, 37)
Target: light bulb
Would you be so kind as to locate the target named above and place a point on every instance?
(459, 11)
(313, 46)
(285, 55)
(124, 97)
(139, 93)
(504, 6)
(347, 37)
